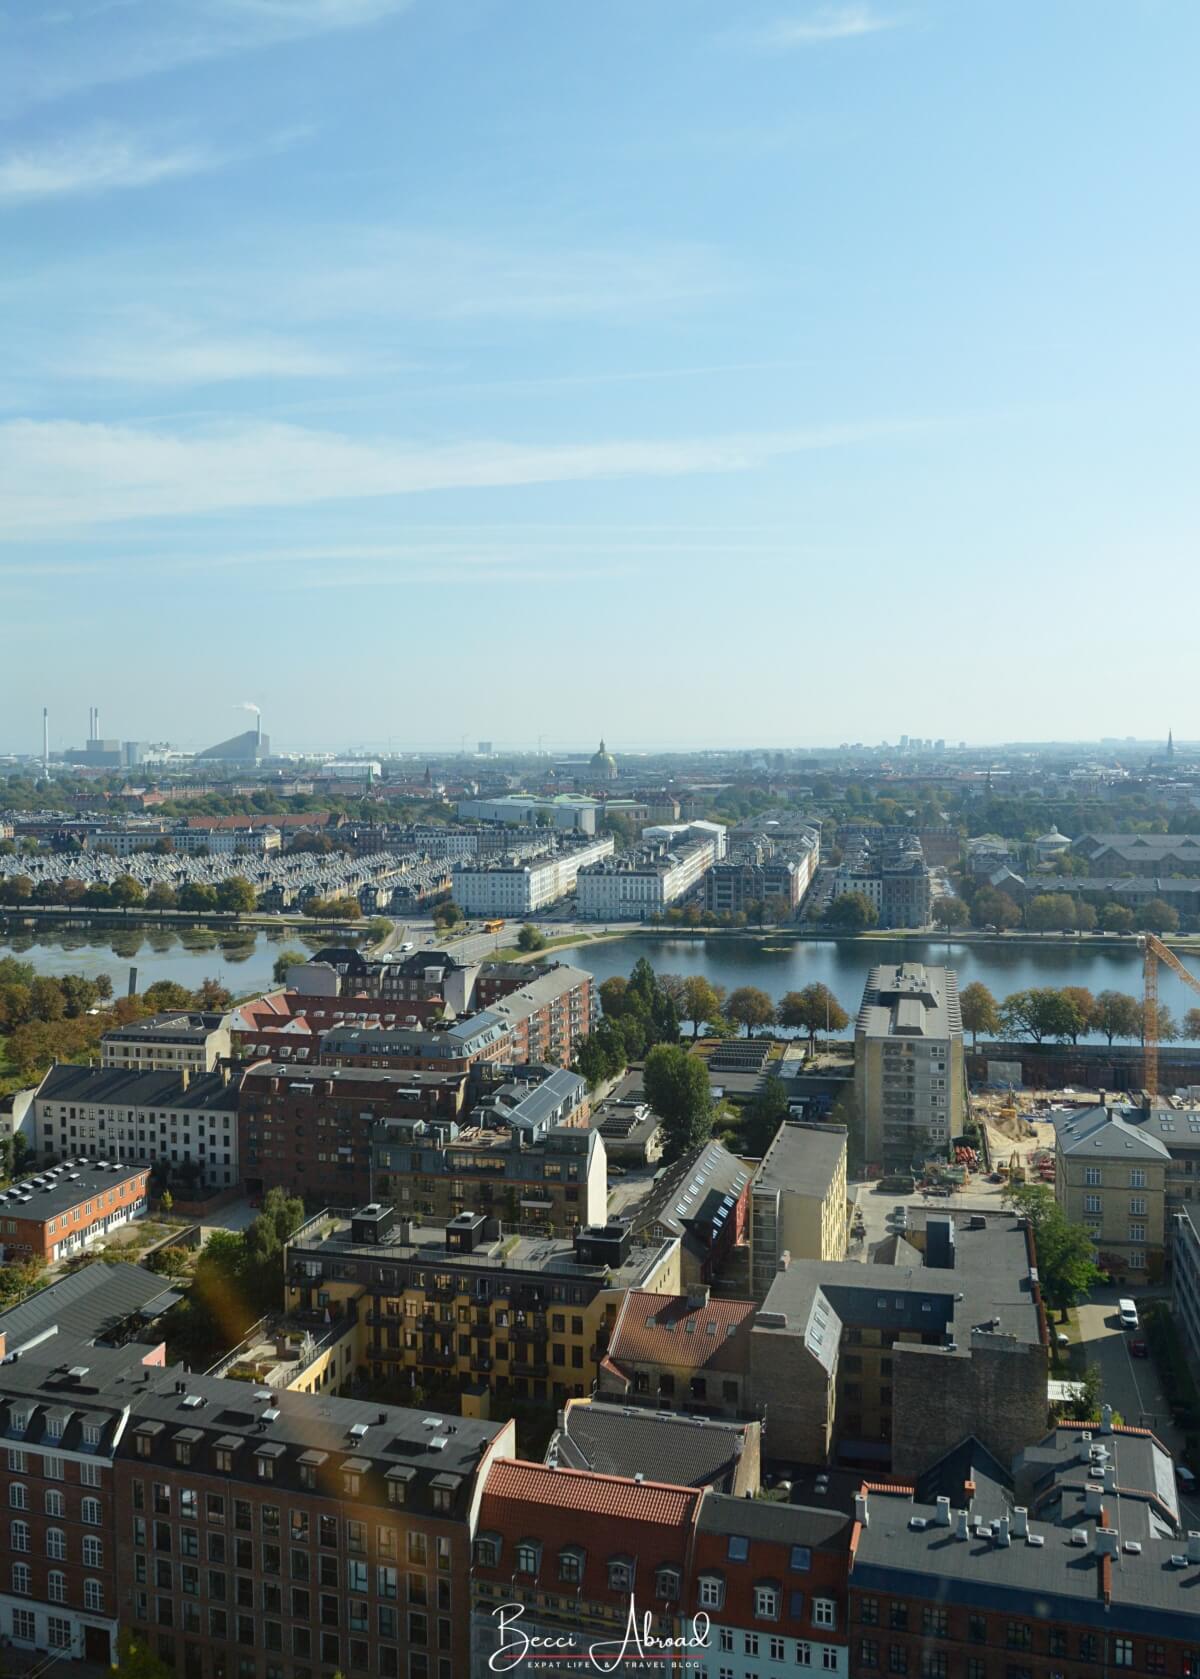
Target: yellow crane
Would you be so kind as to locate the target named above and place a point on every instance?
(1155, 951)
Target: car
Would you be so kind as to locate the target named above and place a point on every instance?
(1138, 1349)
(1062, 1339)
(1185, 1478)
(1128, 1314)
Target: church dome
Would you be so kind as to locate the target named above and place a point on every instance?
(604, 764)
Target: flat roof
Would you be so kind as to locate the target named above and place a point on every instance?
(909, 1000)
(803, 1158)
(140, 1087)
(63, 1187)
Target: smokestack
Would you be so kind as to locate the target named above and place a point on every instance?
(133, 982)
(46, 740)
(1020, 1522)
(95, 722)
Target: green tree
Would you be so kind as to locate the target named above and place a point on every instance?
(165, 995)
(701, 1001)
(161, 897)
(812, 1010)
(285, 960)
(166, 1201)
(1167, 1030)
(1117, 919)
(612, 995)
(1039, 1013)
(531, 938)
(169, 1262)
(979, 1011)
(1085, 917)
(19, 1279)
(763, 1114)
(1066, 1267)
(1190, 1026)
(990, 908)
(46, 1000)
(749, 1007)
(211, 994)
(1157, 917)
(950, 912)
(125, 891)
(1117, 1015)
(236, 895)
(1050, 912)
(677, 1088)
(1084, 1005)
(198, 896)
(852, 912)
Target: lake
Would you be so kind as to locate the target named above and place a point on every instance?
(187, 955)
(843, 964)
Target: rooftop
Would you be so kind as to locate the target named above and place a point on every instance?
(803, 1158)
(627, 1440)
(909, 1000)
(1104, 1132)
(667, 1329)
(52, 1192)
(190, 1026)
(140, 1087)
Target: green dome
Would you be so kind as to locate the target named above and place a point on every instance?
(603, 762)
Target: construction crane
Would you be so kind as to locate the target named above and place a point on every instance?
(1155, 951)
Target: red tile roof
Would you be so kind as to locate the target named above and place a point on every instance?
(604, 1515)
(664, 1329)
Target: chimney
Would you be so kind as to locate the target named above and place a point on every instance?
(1020, 1522)
(1093, 1494)
(1110, 1478)
(1108, 1542)
(1106, 1419)
(1085, 1448)
(861, 1514)
(943, 1512)
(1193, 1550)
(1002, 1531)
(784, 1260)
(697, 1297)
(185, 1077)
(962, 1528)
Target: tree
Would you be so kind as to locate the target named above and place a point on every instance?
(677, 1089)
(979, 1010)
(285, 960)
(1117, 919)
(1085, 917)
(447, 915)
(531, 938)
(1039, 1013)
(46, 1000)
(15, 888)
(749, 1007)
(852, 912)
(236, 895)
(990, 908)
(612, 995)
(778, 909)
(211, 994)
(1084, 1005)
(1167, 1031)
(1050, 912)
(166, 1200)
(1066, 1267)
(701, 1001)
(950, 912)
(1117, 1015)
(1190, 1026)
(764, 1113)
(125, 891)
(1157, 917)
(19, 1279)
(197, 896)
(813, 1010)
(172, 1261)
(161, 896)
(165, 996)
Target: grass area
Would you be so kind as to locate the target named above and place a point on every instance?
(510, 952)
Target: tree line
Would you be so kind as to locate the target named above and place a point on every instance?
(234, 896)
(1066, 1013)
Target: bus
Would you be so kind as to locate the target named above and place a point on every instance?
(492, 926)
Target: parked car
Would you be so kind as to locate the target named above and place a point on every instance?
(1138, 1349)
(1185, 1478)
(1128, 1314)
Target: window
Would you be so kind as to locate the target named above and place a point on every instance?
(527, 1557)
(778, 1649)
(976, 1669)
(487, 1552)
(1137, 1206)
(59, 1632)
(89, 1511)
(93, 1552)
(977, 1629)
(24, 1626)
(933, 1664)
(1093, 1203)
(666, 1584)
(18, 1463)
(356, 1575)
(1018, 1635)
(898, 1617)
(934, 1623)
(1137, 1178)
(56, 1544)
(18, 1496)
(89, 1474)
(897, 1659)
(620, 1574)
(829, 1658)
(712, 1591)
(52, 1469)
(824, 1612)
(1092, 1176)
(55, 1503)
(93, 1595)
(739, 1548)
(868, 1611)
(766, 1603)
(1137, 1232)
(868, 1652)
(1122, 1652)
(18, 1536)
(727, 1638)
(20, 1578)
(800, 1560)
(56, 1586)
(750, 1643)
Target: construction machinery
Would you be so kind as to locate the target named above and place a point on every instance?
(1155, 951)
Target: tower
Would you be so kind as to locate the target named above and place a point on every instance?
(46, 741)
(1170, 743)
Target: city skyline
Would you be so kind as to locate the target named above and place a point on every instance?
(417, 346)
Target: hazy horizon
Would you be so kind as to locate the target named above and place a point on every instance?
(743, 374)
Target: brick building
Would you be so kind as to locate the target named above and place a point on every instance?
(704, 1199)
(681, 1350)
(64, 1209)
(193, 1038)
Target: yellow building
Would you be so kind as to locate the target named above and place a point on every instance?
(1111, 1176)
(798, 1202)
(465, 1302)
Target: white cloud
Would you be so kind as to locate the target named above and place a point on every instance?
(97, 162)
(828, 23)
(199, 361)
(62, 475)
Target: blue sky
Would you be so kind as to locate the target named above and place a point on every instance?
(690, 372)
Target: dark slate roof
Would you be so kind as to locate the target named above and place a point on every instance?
(136, 1087)
(614, 1440)
(191, 1024)
(780, 1524)
(968, 1461)
(84, 1305)
(67, 1186)
(700, 1189)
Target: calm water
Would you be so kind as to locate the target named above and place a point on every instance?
(188, 955)
(843, 965)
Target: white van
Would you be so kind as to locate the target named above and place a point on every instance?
(1128, 1311)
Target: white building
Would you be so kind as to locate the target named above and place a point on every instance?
(564, 810)
(633, 885)
(146, 1117)
(673, 833)
(517, 888)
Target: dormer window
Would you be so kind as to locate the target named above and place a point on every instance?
(570, 1564)
(20, 1421)
(91, 1433)
(666, 1584)
(766, 1601)
(398, 1480)
(528, 1556)
(620, 1574)
(487, 1550)
(712, 1591)
(54, 1425)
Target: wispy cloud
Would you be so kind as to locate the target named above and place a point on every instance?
(65, 475)
(96, 162)
(49, 53)
(827, 23)
(164, 361)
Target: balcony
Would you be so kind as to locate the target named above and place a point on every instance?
(520, 1367)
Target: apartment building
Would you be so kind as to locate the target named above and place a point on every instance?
(1068, 1559)
(64, 1209)
(190, 1040)
(185, 1123)
(467, 1306)
(909, 1077)
(307, 1534)
(1185, 1279)
(548, 1016)
(681, 1350)
(798, 1202)
(890, 870)
(513, 1158)
(938, 1336)
(759, 870)
(311, 1129)
(565, 811)
(516, 887)
(685, 1448)
(1111, 1176)
(343, 971)
(703, 1198)
(643, 881)
(564, 1555)
(453, 1047)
